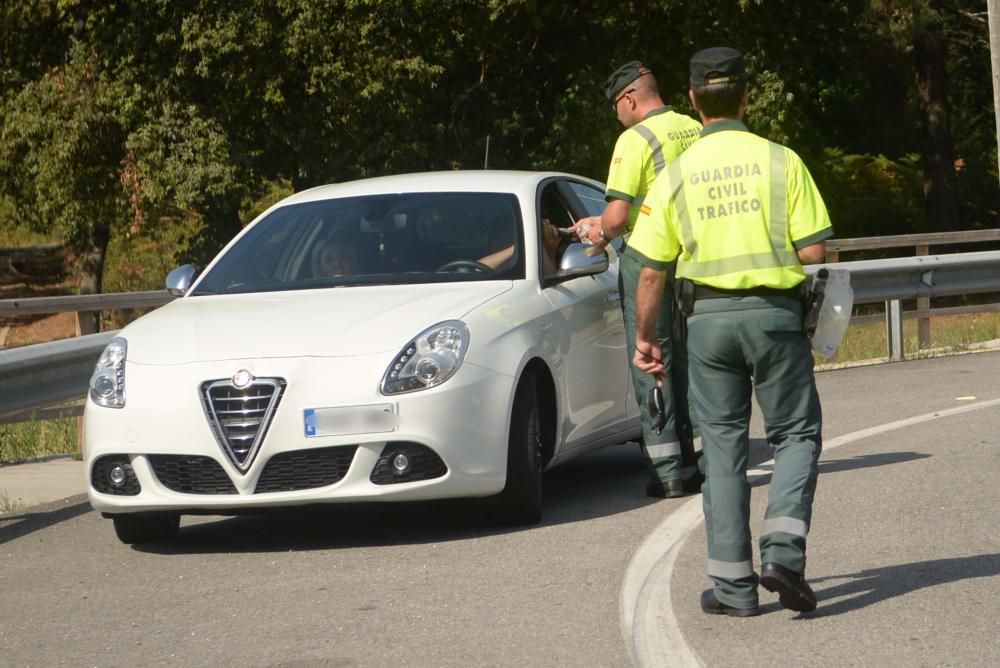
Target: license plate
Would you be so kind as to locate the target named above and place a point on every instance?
(343, 420)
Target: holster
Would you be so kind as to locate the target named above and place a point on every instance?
(684, 295)
(683, 306)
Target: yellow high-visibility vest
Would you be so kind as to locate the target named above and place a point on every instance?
(643, 151)
(732, 210)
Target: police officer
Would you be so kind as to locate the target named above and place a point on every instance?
(654, 135)
(741, 215)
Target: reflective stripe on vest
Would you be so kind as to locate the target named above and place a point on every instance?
(778, 257)
(680, 205)
(654, 146)
(659, 161)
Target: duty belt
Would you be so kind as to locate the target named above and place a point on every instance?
(707, 292)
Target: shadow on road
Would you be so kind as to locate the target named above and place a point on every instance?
(760, 452)
(875, 585)
(41, 517)
(598, 484)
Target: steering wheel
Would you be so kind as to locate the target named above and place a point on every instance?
(465, 266)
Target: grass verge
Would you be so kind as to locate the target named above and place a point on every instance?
(38, 438)
(9, 506)
(949, 334)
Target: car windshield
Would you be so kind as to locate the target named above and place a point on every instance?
(375, 240)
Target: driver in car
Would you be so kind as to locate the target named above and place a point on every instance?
(337, 258)
(502, 245)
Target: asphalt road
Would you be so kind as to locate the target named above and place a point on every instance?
(904, 554)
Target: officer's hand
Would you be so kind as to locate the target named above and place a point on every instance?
(648, 358)
(587, 228)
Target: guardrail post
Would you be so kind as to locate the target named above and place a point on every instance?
(923, 304)
(894, 330)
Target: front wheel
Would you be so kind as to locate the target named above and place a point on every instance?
(520, 502)
(136, 528)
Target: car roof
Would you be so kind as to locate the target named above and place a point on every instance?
(485, 180)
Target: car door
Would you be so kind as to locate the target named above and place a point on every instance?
(590, 334)
(593, 203)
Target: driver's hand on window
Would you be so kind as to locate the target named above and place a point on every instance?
(550, 239)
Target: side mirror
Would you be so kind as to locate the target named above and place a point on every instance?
(576, 261)
(180, 279)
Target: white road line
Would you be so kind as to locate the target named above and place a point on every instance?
(651, 631)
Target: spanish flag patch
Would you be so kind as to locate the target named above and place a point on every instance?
(645, 210)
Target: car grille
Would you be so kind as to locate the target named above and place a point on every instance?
(305, 469)
(240, 416)
(424, 464)
(191, 474)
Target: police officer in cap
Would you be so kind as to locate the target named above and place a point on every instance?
(654, 135)
(741, 215)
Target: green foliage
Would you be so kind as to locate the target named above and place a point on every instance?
(142, 260)
(271, 191)
(869, 195)
(181, 160)
(60, 135)
(174, 123)
(16, 234)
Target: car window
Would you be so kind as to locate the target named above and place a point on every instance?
(555, 209)
(381, 239)
(591, 198)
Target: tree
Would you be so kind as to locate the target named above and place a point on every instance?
(59, 141)
(125, 118)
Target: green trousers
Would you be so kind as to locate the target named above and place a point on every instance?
(673, 447)
(738, 346)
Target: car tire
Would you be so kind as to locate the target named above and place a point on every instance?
(136, 528)
(520, 502)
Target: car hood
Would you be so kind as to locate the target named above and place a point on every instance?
(336, 322)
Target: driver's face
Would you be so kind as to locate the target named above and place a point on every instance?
(337, 259)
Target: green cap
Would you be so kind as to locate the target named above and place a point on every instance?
(717, 65)
(622, 77)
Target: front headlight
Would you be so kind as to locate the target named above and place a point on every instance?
(107, 383)
(429, 359)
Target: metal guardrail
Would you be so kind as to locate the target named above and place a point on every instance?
(78, 303)
(926, 276)
(48, 373)
(921, 244)
(922, 277)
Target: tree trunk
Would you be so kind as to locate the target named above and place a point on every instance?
(993, 16)
(940, 184)
(92, 256)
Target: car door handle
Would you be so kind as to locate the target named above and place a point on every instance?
(612, 296)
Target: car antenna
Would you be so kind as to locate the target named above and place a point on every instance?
(486, 160)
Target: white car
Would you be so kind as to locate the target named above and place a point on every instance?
(400, 338)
